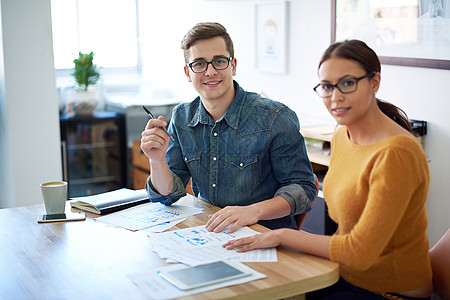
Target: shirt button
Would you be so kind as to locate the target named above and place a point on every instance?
(185, 159)
(241, 164)
(214, 158)
(215, 133)
(213, 185)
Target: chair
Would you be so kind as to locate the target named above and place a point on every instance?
(440, 265)
(299, 219)
(189, 188)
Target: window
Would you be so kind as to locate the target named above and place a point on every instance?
(108, 28)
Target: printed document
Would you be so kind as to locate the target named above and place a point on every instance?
(149, 214)
(195, 245)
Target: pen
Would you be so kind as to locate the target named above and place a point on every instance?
(153, 117)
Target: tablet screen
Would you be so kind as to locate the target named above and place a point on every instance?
(192, 277)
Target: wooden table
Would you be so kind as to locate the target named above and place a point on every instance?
(91, 260)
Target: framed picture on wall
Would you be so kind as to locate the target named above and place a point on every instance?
(271, 36)
(402, 32)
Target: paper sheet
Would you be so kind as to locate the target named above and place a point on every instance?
(196, 245)
(161, 227)
(158, 288)
(202, 255)
(149, 214)
(266, 255)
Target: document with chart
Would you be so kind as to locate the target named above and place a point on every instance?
(149, 214)
(195, 245)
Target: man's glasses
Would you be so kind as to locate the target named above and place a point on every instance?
(345, 86)
(220, 63)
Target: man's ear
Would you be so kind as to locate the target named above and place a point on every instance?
(233, 66)
(188, 75)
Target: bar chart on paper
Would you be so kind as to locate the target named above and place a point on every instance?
(196, 245)
(148, 215)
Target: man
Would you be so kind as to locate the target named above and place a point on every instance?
(243, 153)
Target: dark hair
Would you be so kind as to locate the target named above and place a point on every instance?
(359, 52)
(203, 31)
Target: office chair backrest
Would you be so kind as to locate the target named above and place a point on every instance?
(440, 265)
(299, 219)
(189, 188)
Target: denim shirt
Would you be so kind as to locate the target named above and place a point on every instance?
(254, 152)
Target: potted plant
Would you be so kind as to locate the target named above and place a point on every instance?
(84, 97)
(85, 72)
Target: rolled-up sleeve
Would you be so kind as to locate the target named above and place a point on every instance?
(177, 192)
(296, 197)
(291, 164)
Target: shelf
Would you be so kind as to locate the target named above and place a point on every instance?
(93, 180)
(91, 146)
(323, 133)
(319, 158)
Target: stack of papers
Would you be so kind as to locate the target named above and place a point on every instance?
(149, 215)
(191, 246)
(195, 245)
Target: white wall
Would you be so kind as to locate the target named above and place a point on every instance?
(29, 126)
(421, 92)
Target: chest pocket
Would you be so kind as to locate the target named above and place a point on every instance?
(192, 161)
(242, 172)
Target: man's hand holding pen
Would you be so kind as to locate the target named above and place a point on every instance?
(154, 140)
(154, 143)
(153, 117)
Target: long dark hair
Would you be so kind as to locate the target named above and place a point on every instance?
(359, 52)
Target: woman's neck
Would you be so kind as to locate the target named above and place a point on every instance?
(370, 129)
(374, 129)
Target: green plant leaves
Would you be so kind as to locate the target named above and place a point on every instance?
(85, 71)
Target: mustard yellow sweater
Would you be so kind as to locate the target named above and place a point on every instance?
(376, 194)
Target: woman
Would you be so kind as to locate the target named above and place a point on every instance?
(376, 188)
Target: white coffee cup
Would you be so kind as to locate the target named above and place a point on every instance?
(55, 196)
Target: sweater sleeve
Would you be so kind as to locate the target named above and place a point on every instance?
(393, 177)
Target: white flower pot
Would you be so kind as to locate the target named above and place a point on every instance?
(84, 102)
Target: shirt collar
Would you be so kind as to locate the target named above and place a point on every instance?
(231, 116)
(200, 116)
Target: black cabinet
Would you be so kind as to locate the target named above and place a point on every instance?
(93, 152)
